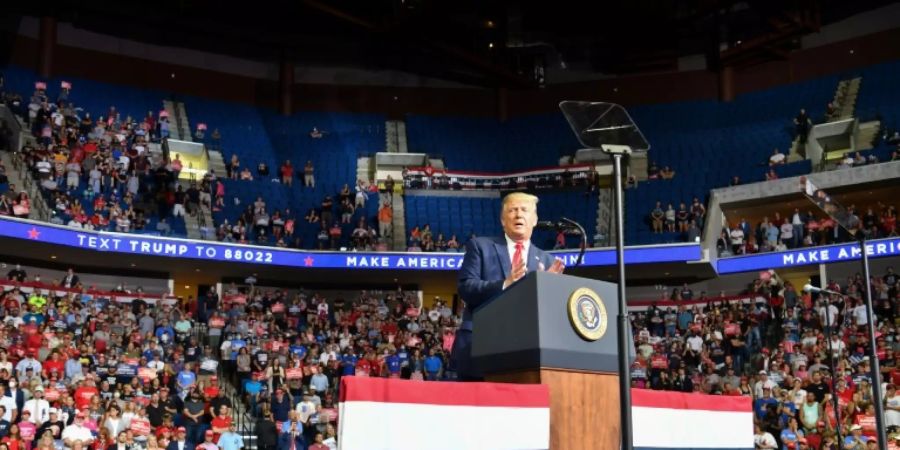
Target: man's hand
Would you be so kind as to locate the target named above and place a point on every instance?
(557, 267)
(517, 272)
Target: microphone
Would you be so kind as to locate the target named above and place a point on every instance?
(817, 290)
(551, 225)
(562, 224)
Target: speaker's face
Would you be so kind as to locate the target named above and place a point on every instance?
(518, 219)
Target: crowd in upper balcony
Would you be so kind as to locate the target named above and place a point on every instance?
(805, 229)
(98, 172)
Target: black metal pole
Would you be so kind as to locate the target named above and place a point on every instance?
(828, 330)
(874, 365)
(622, 318)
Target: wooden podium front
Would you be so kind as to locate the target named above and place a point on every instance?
(584, 406)
(528, 335)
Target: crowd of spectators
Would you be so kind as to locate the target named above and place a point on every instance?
(687, 220)
(261, 225)
(655, 173)
(805, 229)
(98, 173)
(289, 350)
(282, 227)
(422, 239)
(81, 369)
(801, 358)
(858, 160)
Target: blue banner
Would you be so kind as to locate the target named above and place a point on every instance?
(808, 256)
(136, 244)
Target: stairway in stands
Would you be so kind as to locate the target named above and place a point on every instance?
(845, 98)
(200, 226)
(16, 171)
(395, 142)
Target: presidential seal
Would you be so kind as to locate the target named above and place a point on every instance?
(587, 314)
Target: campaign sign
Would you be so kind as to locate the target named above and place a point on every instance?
(878, 248)
(139, 244)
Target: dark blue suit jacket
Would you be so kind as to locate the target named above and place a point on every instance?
(486, 264)
(173, 445)
(19, 398)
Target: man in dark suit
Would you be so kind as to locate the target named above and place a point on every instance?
(180, 441)
(492, 265)
(18, 395)
(70, 280)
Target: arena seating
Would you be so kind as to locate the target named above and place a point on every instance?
(707, 143)
(97, 99)
(485, 144)
(879, 98)
(264, 136)
(464, 216)
(94, 96)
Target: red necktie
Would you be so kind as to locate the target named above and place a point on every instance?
(517, 256)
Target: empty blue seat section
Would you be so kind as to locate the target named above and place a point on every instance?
(462, 216)
(257, 135)
(707, 143)
(879, 98)
(485, 144)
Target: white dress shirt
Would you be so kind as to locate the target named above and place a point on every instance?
(39, 409)
(511, 248)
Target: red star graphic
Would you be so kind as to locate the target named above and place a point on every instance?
(33, 233)
(308, 262)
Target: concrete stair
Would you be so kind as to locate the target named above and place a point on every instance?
(216, 162)
(179, 126)
(845, 98)
(797, 151)
(866, 134)
(174, 131)
(18, 174)
(365, 168)
(184, 123)
(398, 234)
(200, 226)
(401, 137)
(390, 136)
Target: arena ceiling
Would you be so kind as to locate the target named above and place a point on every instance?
(475, 42)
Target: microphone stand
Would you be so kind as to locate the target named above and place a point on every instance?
(583, 239)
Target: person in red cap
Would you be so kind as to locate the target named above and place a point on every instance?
(77, 432)
(208, 441)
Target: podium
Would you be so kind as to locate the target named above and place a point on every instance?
(560, 331)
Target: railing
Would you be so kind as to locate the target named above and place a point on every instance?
(541, 178)
(7, 115)
(120, 297)
(30, 185)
